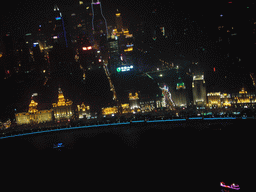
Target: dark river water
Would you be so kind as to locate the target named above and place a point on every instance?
(187, 156)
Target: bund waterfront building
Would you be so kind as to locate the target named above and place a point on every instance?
(33, 115)
(83, 111)
(62, 109)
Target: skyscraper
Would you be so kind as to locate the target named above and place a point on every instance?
(60, 35)
(114, 54)
(199, 90)
(99, 23)
(119, 22)
(100, 31)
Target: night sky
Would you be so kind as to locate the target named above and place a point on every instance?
(26, 13)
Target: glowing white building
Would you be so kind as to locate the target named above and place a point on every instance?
(199, 90)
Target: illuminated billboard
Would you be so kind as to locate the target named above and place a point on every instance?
(124, 68)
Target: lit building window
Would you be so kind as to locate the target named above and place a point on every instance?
(81, 2)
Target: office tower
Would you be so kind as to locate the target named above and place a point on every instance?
(8, 55)
(60, 34)
(180, 94)
(199, 90)
(100, 31)
(114, 54)
(86, 53)
(80, 21)
(126, 41)
(99, 23)
(119, 22)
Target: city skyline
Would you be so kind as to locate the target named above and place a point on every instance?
(180, 43)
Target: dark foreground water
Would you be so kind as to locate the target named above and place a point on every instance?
(184, 156)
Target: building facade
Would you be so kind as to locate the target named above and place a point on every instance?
(62, 109)
(33, 115)
(199, 90)
(83, 111)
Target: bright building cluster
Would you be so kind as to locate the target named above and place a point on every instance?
(61, 111)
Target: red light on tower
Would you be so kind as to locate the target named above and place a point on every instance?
(230, 2)
(214, 69)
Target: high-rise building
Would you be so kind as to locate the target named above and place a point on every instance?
(114, 54)
(8, 59)
(199, 90)
(100, 31)
(125, 41)
(179, 96)
(80, 21)
(59, 34)
(119, 22)
(99, 23)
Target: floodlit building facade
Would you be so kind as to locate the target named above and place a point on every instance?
(109, 110)
(199, 90)
(33, 115)
(83, 111)
(62, 109)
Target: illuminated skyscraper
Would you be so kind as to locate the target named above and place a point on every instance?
(119, 22)
(180, 94)
(100, 32)
(99, 23)
(60, 35)
(114, 54)
(199, 90)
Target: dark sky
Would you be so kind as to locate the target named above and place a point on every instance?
(26, 13)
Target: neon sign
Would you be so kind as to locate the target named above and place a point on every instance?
(58, 18)
(124, 69)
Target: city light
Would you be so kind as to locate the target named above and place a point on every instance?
(124, 69)
(58, 18)
(87, 48)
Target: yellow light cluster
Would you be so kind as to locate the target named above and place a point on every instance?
(129, 49)
(213, 94)
(61, 100)
(109, 110)
(32, 107)
(82, 107)
(131, 97)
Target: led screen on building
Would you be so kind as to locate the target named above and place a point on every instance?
(124, 68)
